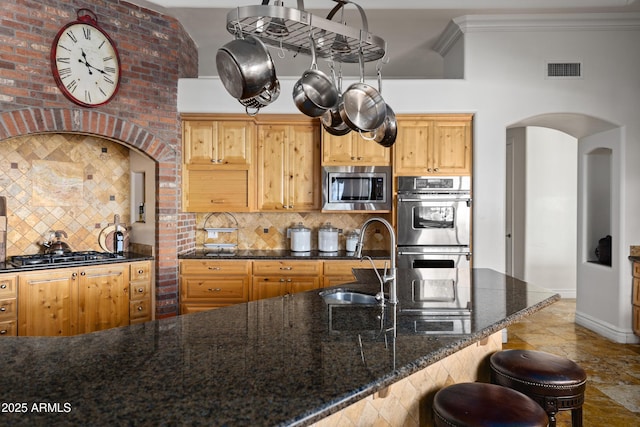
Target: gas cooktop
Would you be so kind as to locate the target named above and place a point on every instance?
(69, 258)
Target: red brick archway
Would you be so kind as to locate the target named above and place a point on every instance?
(66, 120)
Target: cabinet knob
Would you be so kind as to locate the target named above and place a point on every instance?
(282, 280)
(353, 158)
(140, 308)
(214, 289)
(3, 308)
(74, 275)
(436, 169)
(140, 271)
(3, 332)
(83, 273)
(140, 290)
(3, 286)
(286, 268)
(215, 268)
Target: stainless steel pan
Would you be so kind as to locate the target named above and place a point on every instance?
(362, 107)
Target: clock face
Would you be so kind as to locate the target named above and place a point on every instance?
(85, 64)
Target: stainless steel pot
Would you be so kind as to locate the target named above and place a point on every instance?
(314, 93)
(245, 67)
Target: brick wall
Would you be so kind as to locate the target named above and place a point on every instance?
(155, 51)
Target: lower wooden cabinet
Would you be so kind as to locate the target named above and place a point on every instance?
(140, 292)
(341, 271)
(636, 298)
(8, 305)
(205, 285)
(70, 301)
(103, 298)
(277, 278)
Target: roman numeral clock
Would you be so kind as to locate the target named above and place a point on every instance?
(85, 62)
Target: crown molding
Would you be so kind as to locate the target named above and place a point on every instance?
(457, 27)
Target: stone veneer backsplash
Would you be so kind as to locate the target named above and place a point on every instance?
(266, 231)
(70, 182)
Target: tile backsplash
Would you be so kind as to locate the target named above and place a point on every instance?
(269, 230)
(70, 182)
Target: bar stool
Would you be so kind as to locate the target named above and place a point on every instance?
(555, 382)
(485, 405)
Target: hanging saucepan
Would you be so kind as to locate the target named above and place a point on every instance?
(386, 133)
(362, 107)
(331, 120)
(245, 67)
(314, 93)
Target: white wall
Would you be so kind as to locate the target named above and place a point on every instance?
(551, 210)
(504, 84)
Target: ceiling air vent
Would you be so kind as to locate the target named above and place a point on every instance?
(563, 70)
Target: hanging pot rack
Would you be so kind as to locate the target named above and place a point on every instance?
(289, 28)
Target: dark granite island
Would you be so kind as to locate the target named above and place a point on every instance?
(279, 361)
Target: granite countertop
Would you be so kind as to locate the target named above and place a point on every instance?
(282, 254)
(7, 267)
(281, 361)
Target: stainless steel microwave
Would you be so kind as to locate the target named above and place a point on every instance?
(356, 188)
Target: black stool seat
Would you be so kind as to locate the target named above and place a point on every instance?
(555, 382)
(480, 405)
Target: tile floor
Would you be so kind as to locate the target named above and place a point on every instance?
(612, 397)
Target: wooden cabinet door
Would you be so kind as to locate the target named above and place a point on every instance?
(216, 143)
(267, 287)
(234, 142)
(199, 140)
(452, 147)
(338, 150)
(412, 150)
(303, 168)
(103, 298)
(271, 162)
(301, 284)
(217, 190)
(47, 303)
(372, 153)
(353, 150)
(288, 167)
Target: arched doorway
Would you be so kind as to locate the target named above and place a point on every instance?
(599, 289)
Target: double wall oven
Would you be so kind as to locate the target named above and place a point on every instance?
(434, 222)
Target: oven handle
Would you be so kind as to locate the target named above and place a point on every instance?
(436, 199)
(401, 252)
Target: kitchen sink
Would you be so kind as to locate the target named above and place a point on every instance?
(342, 296)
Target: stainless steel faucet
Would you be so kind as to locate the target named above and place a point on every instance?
(389, 275)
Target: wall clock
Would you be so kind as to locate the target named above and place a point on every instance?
(85, 62)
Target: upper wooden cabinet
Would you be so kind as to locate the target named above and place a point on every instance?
(218, 171)
(288, 167)
(433, 145)
(353, 150)
(218, 143)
